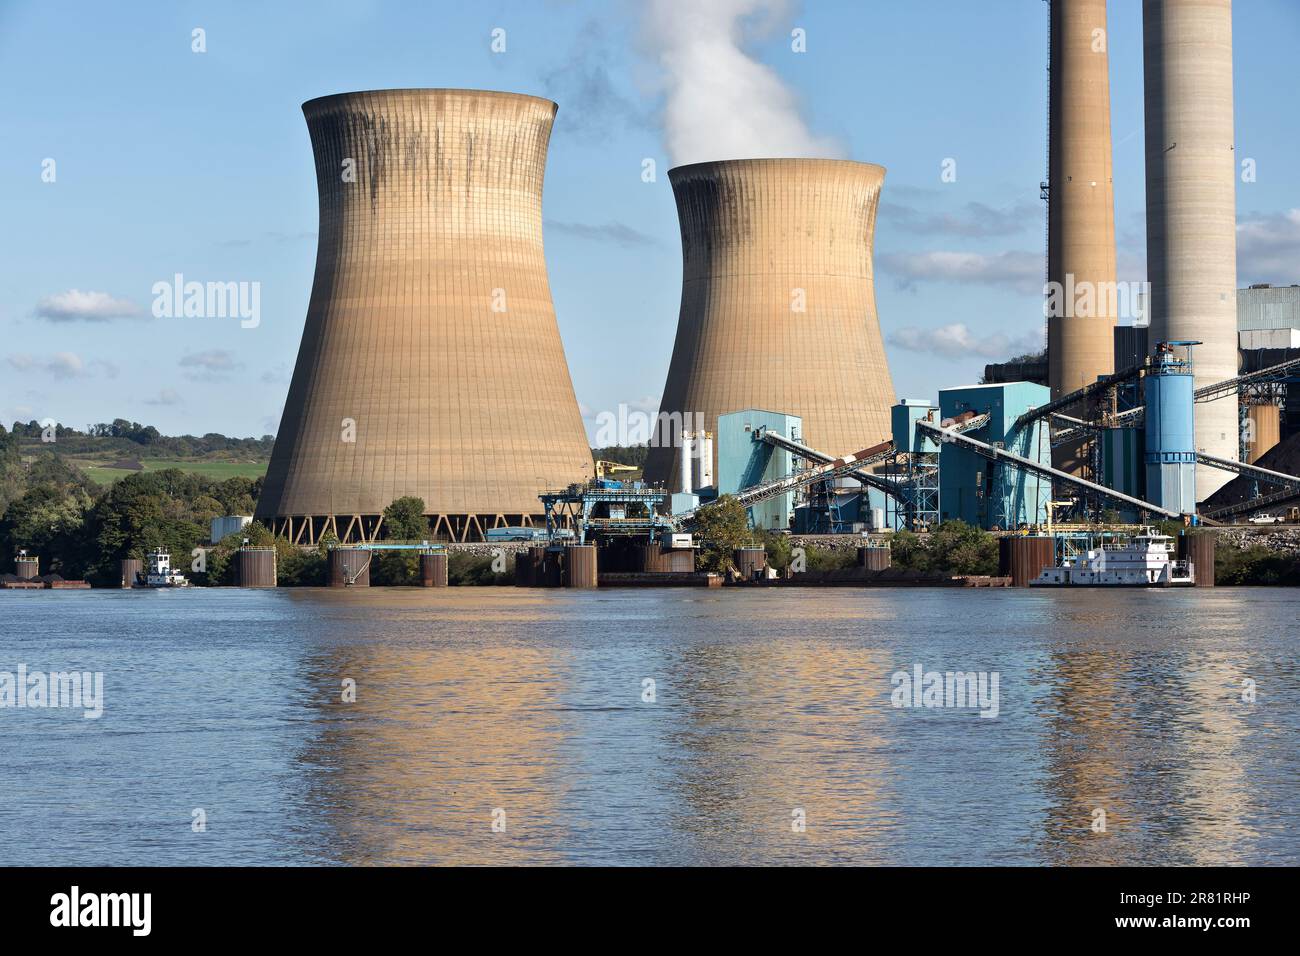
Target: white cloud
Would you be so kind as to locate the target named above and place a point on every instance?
(1023, 270)
(61, 365)
(972, 219)
(166, 397)
(615, 232)
(77, 306)
(214, 365)
(1268, 248)
(720, 102)
(279, 375)
(956, 340)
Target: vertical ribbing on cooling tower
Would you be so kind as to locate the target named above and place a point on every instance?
(778, 301)
(1191, 203)
(430, 323)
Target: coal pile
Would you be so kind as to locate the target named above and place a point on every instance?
(1283, 457)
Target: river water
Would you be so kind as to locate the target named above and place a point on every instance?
(504, 726)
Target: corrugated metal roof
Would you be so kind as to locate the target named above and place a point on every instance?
(1272, 308)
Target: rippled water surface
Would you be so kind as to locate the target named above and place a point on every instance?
(526, 707)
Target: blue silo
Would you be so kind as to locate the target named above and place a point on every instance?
(1171, 429)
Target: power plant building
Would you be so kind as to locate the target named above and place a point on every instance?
(1191, 203)
(743, 462)
(981, 492)
(431, 363)
(778, 303)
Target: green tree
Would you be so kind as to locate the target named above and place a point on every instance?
(953, 547)
(144, 511)
(1256, 565)
(394, 568)
(404, 520)
(907, 551)
(465, 569)
(830, 559)
(301, 568)
(778, 548)
(623, 454)
(959, 548)
(721, 528)
(47, 515)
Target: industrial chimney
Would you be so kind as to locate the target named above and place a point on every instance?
(1081, 199)
(1191, 203)
(778, 302)
(431, 362)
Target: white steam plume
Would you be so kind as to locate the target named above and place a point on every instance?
(721, 103)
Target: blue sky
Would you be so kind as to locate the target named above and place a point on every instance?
(169, 161)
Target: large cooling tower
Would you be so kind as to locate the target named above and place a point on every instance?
(778, 301)
(431, 363)
(1191, 203)
(1081, 199)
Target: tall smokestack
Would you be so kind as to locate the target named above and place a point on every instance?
(778, 302)
(1081, 199)
(1191, 203)
(431, 362)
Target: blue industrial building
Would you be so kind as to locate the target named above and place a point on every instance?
(976, 490)
(743, 462)
(903, 418)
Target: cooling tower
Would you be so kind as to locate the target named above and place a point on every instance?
(1191, 203)
(1081, 199)
(431, 362)
(778, 303)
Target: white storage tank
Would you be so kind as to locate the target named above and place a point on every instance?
(685, 480)
(702, 461)
(228, 524)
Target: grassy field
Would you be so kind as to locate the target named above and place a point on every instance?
(98, 471)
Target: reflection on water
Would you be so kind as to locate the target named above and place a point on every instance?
(770, 737)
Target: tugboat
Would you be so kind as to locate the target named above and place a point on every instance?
(1145, 561)
(160, 573)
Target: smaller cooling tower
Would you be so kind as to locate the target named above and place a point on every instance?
(778, 304)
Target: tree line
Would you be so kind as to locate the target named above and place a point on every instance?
(145, 440)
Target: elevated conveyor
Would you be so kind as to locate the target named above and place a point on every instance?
(827, 468)
(1207, 393)
(1028, 464)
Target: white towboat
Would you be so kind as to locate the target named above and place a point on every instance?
(1145, 561)
(159, 573)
